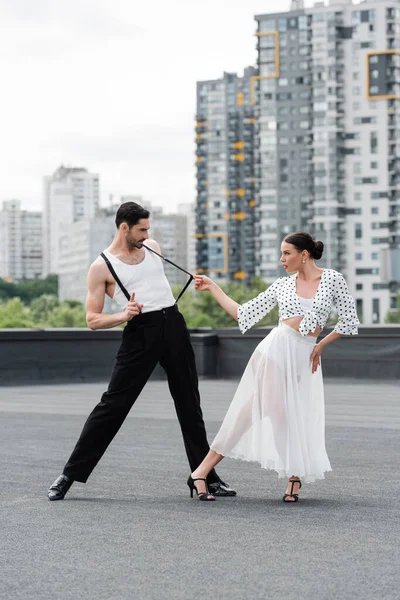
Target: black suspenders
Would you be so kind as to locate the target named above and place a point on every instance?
(174, 265)
(113, 273)
(123, 289)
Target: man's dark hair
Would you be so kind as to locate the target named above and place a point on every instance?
(130, 213)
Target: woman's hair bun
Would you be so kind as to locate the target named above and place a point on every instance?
(318, 250)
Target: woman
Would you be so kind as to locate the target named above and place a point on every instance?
(277, 415)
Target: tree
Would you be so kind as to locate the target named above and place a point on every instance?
(41, 309)
(47, 311)
(30, 289)
(67, 316)
(201, 310)
(393, 316)
(13, 314)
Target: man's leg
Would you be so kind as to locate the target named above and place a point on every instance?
(136, 360)
(179, 363)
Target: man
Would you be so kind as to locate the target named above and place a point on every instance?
(155, 332)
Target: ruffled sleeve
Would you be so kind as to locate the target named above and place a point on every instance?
(345, 306)
(254, 310)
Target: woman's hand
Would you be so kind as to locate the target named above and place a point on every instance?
(316, 356)
(202, 283)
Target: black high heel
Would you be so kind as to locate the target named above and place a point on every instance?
(204, 496)
(291, 495)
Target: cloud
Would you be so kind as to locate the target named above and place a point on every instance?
(43, 29)
(150, 143)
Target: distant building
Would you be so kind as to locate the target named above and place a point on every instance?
(327, 110)
(170, 231)
(21, 255)
(225, 204)
(80, 244)
(188, 209)
(71, 194)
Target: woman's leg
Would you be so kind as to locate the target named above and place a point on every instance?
(204, 468)
(292, 488)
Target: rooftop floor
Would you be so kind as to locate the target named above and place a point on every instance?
(132, 530)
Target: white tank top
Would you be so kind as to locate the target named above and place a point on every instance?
(147, 280)
(305, 303)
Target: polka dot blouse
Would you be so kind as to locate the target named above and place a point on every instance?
(332, 291)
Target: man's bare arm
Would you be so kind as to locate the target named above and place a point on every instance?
(95, 318)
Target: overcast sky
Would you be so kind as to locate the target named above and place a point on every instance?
(110, 85)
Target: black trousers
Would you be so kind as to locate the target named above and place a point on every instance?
(159, 336)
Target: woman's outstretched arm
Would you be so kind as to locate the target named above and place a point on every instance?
(203, 283)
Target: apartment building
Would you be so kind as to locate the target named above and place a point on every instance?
(225, 204)
(327, 110)
(21, 255)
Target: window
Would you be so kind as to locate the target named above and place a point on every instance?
(374, 210)
(358, 256)
(282, 25)
(373, 142)
(266, 26)
(374, 165)
(359, 308)
(302, 22)
(356, 105)
(375, 256)
(358, 231)
(380, 286)
(375, 310)
(359, 286)
(364, 271)
(365, 180)
(356, 75)
(357, 196)
(356, 91)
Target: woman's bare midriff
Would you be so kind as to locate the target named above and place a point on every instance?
(294, 323)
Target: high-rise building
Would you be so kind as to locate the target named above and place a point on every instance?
(80, 244)
(21, 254)
(71, 195)
(327, 108)
(188, 210)
(225, 205)
(170, 232)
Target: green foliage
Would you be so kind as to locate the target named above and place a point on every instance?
(201, 310)
(13, 314)
(44, 312)
(393, 316)
(41, 309)
(30, 289)
(67, 316)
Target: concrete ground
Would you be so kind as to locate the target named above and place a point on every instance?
(133, 532)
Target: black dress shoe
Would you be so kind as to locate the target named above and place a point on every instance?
(60, 487)
(220, 488)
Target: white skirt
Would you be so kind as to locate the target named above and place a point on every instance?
(277, 416)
